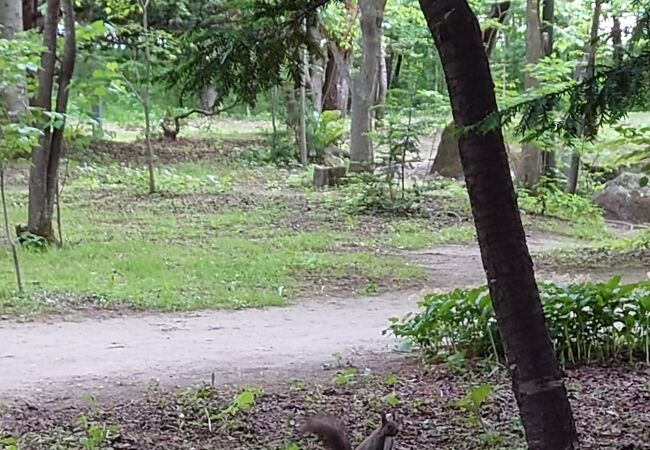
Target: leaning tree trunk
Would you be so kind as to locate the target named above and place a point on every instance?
(363, 86)
(11, 22)
(531, 156)
(447, 160)
(537, 379)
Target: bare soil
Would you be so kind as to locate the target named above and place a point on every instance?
(57, 357)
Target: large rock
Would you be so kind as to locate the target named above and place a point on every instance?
(624, 199)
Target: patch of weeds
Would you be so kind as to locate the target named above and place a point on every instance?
(346, 377)
(303, 179)
(575, 215)
(473, 403)
(168, 179)
(137, 270)
(626, 252)
(279, 150)
(411, 235)
(587, 322)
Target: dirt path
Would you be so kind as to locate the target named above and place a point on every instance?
(53, 358)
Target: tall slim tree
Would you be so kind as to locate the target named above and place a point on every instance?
(531, 158)
(364, 85)
(46, 157)
(11, 22)
(537, 379)
(582, 71)
(548, 18)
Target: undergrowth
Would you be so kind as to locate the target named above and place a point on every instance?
(584, 218)
(588, 322)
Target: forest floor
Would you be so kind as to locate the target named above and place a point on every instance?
(111, 328)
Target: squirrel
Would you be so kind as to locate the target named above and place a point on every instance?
(332, 432)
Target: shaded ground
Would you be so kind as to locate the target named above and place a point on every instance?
(184, 348)
(612, 408)
(116, 356)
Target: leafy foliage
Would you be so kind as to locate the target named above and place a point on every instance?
(550, 201)
(588, 322)
(245, 49)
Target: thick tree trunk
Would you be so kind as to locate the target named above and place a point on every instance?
(363, 86)
(447, 160)
(317, 71)
(40, 211)
(548, 17)
(537, 380)
(586, 72)
(31, 15)
(336, 88)
(11, 22)
(208, 97)
(531, 157)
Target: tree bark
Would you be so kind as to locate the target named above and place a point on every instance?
(363, 86)
(5, 214)
(31, 16)
(537, 380)
(586, 72)
(40, 210)
(548, 16)
(382, 88)
(11, 22)
(208, 98)
(531, 157)
(146, 103)
(336, 87)
(447, 160)
(395, 72)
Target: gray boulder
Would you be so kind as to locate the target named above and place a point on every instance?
(624, 199)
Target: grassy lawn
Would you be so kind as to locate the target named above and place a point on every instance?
(223, 232)
(203, 242)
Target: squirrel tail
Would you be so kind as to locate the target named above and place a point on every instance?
(330, 430)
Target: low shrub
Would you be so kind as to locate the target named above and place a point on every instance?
(588, 322)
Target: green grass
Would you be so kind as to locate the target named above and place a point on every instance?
(171, 253)
(412, 235)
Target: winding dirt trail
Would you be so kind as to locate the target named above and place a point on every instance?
(52, 358)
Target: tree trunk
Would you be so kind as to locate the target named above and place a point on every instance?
(5, 215)
(31, 16)
(382, 88)
(617, 40)
(363, 86)
(304, 73)
(531, 156)
(145, 97)
(98, 123)
(40, 211)
(394, 78)
(537, 380)
(548, 17)
(208, 98)
(11, 22)
(586, 72)
(317, 71)
(336, 87)
(447, 160)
